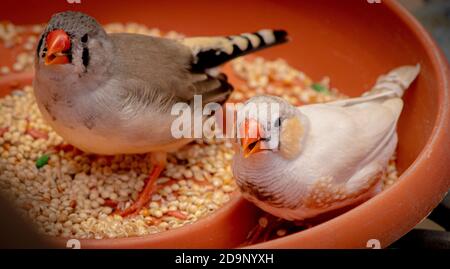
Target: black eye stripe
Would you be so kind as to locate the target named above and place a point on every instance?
(85, 57)
(277, 122)
(84, 38)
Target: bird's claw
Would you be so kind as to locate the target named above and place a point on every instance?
(145, 196)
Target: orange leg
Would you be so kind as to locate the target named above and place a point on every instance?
(255, 234)
(272, 227)
(259, 230)
(146, 194)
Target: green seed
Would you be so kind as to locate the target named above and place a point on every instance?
(319, 88)
(41, 161)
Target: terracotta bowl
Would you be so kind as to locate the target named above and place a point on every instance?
(350, 41)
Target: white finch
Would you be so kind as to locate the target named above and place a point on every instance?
(326, 156)
(113, 93)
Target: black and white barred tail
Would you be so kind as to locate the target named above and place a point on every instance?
(210, 52)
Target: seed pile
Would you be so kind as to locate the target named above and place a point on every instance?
(73, 194)
(278, 78)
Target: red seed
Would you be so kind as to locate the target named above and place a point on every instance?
(177, 214)
(110, 203)
(36, 134)
(3, 130)
(73, 204)
(64, 147)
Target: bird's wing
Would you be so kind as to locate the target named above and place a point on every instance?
(357, 136)
(160, 70)
(346, 139)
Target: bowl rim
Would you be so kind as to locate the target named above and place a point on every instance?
(440, 64)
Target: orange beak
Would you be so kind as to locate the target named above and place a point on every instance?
(251, 134)
(58, 44)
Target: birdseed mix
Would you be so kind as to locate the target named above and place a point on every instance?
(73, 194)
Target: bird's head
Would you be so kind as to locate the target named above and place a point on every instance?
(71, 43)
(268, 124)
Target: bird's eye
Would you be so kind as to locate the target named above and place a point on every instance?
(84, 38)
(277, 122)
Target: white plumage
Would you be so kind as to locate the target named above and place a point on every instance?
(344, 149)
